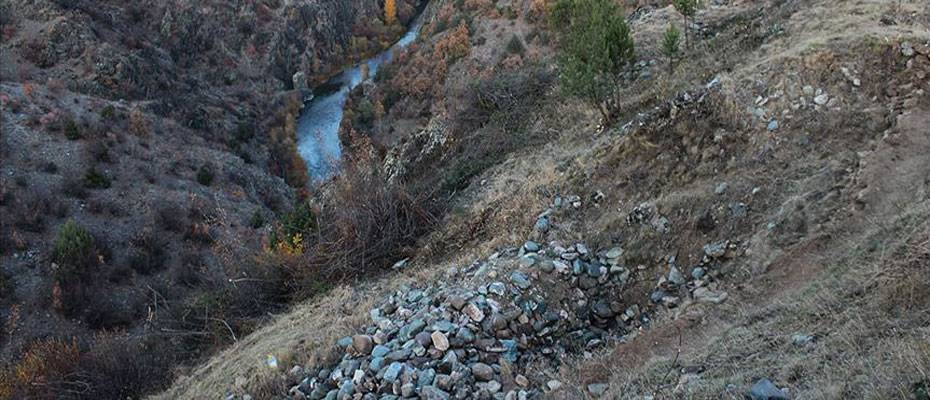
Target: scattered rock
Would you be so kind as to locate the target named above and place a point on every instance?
(482, 371)
(675, 276)
(542, 225)
(705, 295)
(764, 389)
(473, 312)
(773, 125)
(721, 188)
(801, 339)
(597, 389)
(440, 341)
(554, 385)
(362, 344)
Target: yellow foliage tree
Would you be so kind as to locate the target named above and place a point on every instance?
(390, 12)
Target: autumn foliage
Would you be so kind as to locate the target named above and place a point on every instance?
(390, 12)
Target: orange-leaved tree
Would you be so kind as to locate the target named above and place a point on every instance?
(390, 12)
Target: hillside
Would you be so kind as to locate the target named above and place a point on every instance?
(752, 223)
(750, 219)
(145, 151)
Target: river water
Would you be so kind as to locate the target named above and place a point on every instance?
(318, 124)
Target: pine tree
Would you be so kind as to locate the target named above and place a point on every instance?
(687, 9)
(596, 49)
(390, 12)
(670, 45)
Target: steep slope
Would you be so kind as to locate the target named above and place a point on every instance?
(770, 198)
(145, 149)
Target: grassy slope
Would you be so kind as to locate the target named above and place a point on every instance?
(845, 185)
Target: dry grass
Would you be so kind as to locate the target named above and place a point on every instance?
(851, 306)
(868, 314)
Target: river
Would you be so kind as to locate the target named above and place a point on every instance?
(318, 124)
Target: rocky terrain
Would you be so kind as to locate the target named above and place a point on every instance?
(751, 223)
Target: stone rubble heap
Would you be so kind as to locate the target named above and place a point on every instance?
(476, 333)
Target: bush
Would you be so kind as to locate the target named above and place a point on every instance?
(515, 45)
(94, 179)
(72, 130)
(74, 252)
(108, 112)
(205, 175)
(148, 253)
(370, 229)
(596, 49)
(257, 220)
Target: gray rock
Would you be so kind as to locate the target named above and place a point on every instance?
(821, 99)
(423, 338)
(497, 288)
(738, 209)
(411, 329)
(801, 339)
(482, 371)
(764, 389)
(614, 253)
(520, 280)
(542, 225)
(705, 295)
(344, 343)
(597, 389)
(433, 393)
(602, 309)
(380, 351)
(425, 377)
(721, 188)
(440, 341)
(473, 312)
(554, 384)
(465, 334)
(408, 389)
(675, 276)
(393, 371)
(362, 344)
(527, 261)
(546, 266)
(716, 249)
(698, 273)
(773, 125)
(346, 388)
(376, 364)
(657, 296)
(593, 270)
(531, 246)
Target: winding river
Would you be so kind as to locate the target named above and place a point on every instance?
(318, 125)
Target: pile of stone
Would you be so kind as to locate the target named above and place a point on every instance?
(476, 333)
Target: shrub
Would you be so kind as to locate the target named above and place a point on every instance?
(670, 45)
(148, 252)
(205, 175)
(596, 49)
(257, 220)
(74, 252)
(72, 130)
(370, 229)
(108, 112)
(94, 179)
(45, 371)
(515, 45)
(170, 217)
